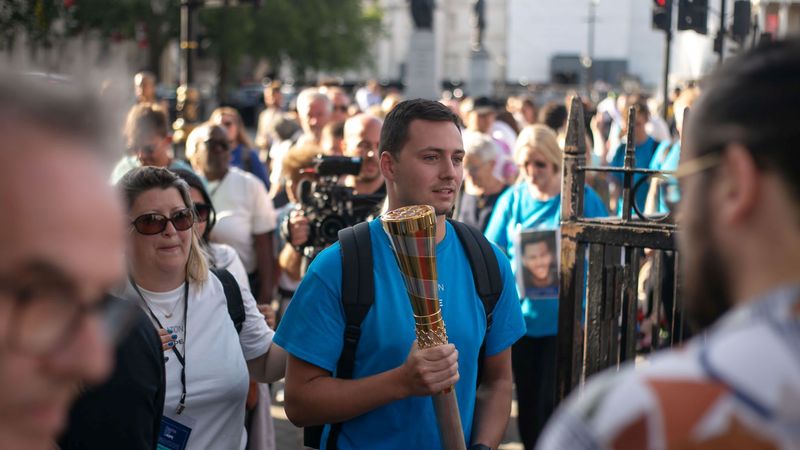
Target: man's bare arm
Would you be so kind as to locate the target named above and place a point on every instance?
(493, 402)
(313, 397)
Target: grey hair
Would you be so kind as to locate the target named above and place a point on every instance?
(55, 104)
(308, 96)
(482, 146)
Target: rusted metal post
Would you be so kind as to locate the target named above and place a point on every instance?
(595, 351)
(630, 162)
(570, 342)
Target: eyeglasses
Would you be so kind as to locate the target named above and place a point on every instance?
(340, 108)
(697, 165)
(152, 223)
(670, 187)
(47, 312)
(203, 211)
(218, 145)
(227, 124)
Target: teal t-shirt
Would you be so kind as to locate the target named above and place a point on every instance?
(667, 157)
(313, 327)
(643, 155)
(517, 210)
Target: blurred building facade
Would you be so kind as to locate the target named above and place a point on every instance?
(543, 42)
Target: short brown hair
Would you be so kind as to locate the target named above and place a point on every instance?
(394, 132)
(145, 120)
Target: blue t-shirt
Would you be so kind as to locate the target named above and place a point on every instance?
(313, 327)
(255, 167)
(517, 210)
(667, 157)
(643, 156)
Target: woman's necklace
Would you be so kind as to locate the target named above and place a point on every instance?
(167, 312)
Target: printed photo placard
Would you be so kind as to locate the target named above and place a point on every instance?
(537, 264)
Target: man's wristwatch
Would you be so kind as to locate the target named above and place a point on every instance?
(480, 447)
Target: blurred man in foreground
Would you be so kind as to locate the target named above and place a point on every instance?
(62, 249)
(738, 386)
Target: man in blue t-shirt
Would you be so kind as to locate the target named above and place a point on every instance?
(387, 404)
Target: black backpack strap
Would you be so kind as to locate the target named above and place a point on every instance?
(358, 295)
(485, 273)
(233, 297)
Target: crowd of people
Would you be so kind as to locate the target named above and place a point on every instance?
(150, 305)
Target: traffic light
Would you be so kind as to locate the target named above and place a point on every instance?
(693, 15)
(662, 14)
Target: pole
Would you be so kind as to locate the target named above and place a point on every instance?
(721, 32)
(187, 97)
(590, 45)
(667, 52)
(188, 43)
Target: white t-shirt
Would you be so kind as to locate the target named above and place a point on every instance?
(226, 258)
(243, 210)
(216, 371)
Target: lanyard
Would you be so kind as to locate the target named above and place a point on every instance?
(181, 358)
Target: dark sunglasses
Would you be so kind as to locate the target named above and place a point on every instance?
(217, 144)
(203, 211)
(150, 224)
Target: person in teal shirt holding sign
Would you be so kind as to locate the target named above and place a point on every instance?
(535, 204)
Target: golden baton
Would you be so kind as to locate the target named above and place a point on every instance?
(412, 231)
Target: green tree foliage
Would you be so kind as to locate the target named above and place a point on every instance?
(311, 34)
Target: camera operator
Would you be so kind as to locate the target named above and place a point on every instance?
(361, 136)
(296, 160)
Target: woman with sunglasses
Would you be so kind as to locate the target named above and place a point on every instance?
(243, 153)
(207, 363)
(534, 203)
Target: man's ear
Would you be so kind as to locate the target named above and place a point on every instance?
(387, 166)
(739, 188)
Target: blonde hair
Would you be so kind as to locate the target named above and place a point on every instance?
(543, 140)
(143, 179)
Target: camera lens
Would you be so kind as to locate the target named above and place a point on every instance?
(329, 228)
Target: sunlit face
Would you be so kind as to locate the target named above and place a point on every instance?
(315, 119)
(341, 103)
(230, 124)
(145, 89)
(428, 170)
(538, 259)
(215, 152)
(482, 121)
(168, 251)
(273, 97)
(154, 151)
(362, 141)
(538, 170)
(478, 171)
(73, 224)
